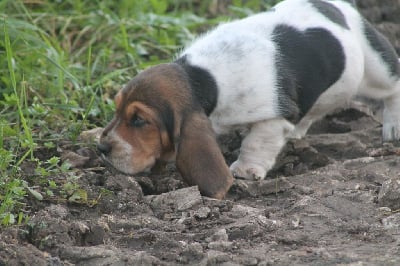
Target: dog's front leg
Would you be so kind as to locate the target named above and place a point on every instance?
(260, 148)
(391, 117)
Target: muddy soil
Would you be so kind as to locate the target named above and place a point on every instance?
(333, 198)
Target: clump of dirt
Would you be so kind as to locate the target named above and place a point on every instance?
(332, 198)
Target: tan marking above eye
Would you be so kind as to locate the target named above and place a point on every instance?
(141, 110)
(130, 110)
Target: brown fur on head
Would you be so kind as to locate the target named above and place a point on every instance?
(158, 118)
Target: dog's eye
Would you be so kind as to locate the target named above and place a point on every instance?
(137, 121)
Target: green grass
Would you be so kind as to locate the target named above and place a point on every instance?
(61, 63)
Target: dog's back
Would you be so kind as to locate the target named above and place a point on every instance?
(283, 61)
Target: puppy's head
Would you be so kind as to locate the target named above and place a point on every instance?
(157, 118)
(141, 131)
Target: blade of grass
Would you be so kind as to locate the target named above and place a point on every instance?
(92, 99)
(88, 69)
(74, 80)
(9, 56)
(111, 75)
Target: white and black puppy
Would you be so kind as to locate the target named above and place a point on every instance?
(273, 73)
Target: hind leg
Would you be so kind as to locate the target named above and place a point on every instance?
(302, 127)
(391, 117)
(336, 97)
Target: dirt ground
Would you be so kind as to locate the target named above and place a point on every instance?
(332, 199)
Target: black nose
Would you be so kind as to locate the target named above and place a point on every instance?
(104, 148)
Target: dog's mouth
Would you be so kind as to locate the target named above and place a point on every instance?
(114, 169)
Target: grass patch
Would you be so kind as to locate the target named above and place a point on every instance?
(61, 64)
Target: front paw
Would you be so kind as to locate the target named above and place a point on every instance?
(249, 170)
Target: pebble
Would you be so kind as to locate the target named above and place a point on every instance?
(389, 194)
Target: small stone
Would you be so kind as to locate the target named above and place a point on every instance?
(119, 182)
(269, 186)
(296, 222)
(193, 250)
(248, 261)
(216, 257)
(185, 219)
(220, 245)
(57, 211)
(181, 199)
(147, 185)
(220, 235)
(92, 135)
(245, 231)
(80, 227)
(385, 209)
(96, 235)
(392, 222)
(202, 213)
(389, 194)
(240, 211)
(142, 258)
(300, 144)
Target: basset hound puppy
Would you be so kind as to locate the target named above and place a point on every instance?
(273, 73)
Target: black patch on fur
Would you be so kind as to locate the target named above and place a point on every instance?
(331, 12)
(167, 116)
(308, 63)
(203, 85)
(380, 44)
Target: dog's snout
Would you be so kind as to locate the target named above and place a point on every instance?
(104, 148)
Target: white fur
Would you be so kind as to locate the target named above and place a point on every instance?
(240, 55)
(260, 147)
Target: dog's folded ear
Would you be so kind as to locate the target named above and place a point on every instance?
(199, 158)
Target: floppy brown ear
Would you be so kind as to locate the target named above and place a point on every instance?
(199, 158)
